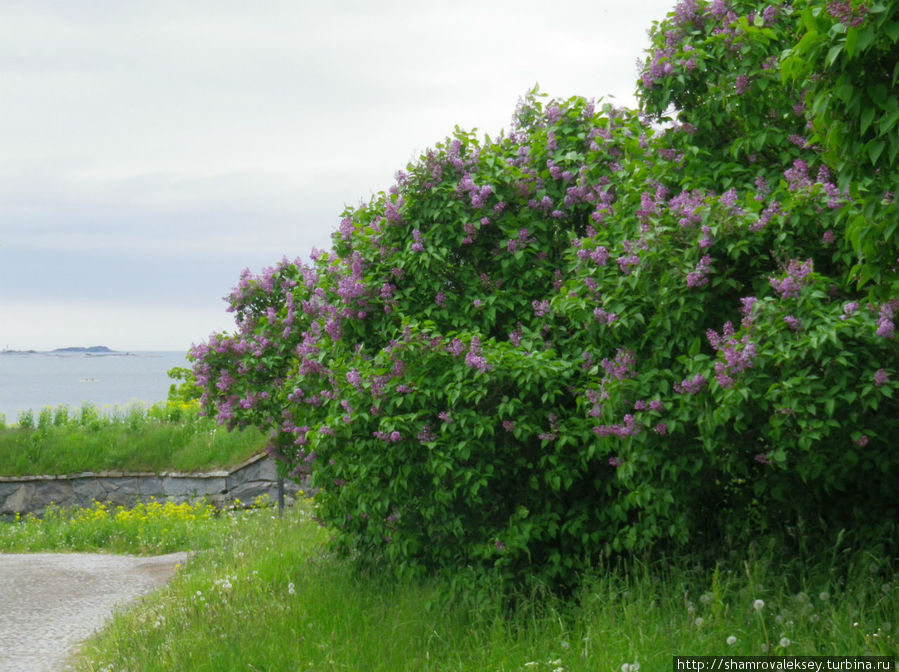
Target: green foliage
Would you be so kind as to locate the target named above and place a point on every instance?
(847, 63)
(185, 390)
(591, 336)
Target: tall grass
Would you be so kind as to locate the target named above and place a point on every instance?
(169, 436)
(269, 596)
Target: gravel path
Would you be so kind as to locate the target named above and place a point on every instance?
(49, 602)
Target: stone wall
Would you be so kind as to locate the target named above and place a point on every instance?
(248, 480)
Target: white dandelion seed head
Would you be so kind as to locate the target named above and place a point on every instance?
(784, 642)
(731, 640)
(758, 605)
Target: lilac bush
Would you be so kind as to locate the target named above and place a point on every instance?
(602, 331)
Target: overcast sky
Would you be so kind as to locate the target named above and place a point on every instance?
(152, 149)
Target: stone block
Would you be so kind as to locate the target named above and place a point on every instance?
(192, 486)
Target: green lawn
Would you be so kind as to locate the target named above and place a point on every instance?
(266, 594)
(164, 437)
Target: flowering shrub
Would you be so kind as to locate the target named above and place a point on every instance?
(595, 333)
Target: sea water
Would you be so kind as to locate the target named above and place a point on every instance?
(32, 381)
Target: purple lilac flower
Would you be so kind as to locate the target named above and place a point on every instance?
(763, 220)
(508, 425)
(718, 8)
(738, 355)
(603, 316)
(628, 428)
(661, 429)
(748, 304)
(354, 378)
(849, 309)
(687, 205)
(885, 326)
(622, 366)
(742, 84)
(648, 206)
(861, 441)
(445, 417)
(797, 176)
(425, 435)
(793, 323)
(828, 237)
(797, 272)
(691, 386)
(615, 461)
(881, 377)
(627, 262)
(474, 358)
(697, 277)
(843, 12)
(761, 458)
(541, 308)
(417, 246)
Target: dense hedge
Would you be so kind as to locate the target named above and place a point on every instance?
(602, 331)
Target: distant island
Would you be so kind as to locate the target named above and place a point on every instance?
(93, 350)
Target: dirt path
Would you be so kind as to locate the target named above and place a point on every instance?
(49, 602)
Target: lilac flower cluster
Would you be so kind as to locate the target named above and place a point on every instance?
(598, 255)
(793, 322)
(474, 358)
(843, 12)
(477, 195)
(691, 386)
(738, 354)
(392, 437)
(622, 367)
(603, 316)
(797, 176)
(688, 205)
(772, 209)
(698, 277)
(789, 286)
(628, 427)
(885, 325)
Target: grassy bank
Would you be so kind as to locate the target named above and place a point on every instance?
(267, 595)
(164, 437)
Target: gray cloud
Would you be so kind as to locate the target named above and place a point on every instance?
(154, 149)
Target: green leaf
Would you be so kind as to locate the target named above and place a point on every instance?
(866, 118)
(833, 53)
(875, 149)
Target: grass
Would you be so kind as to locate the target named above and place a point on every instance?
(164, 437)
(266, 594)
